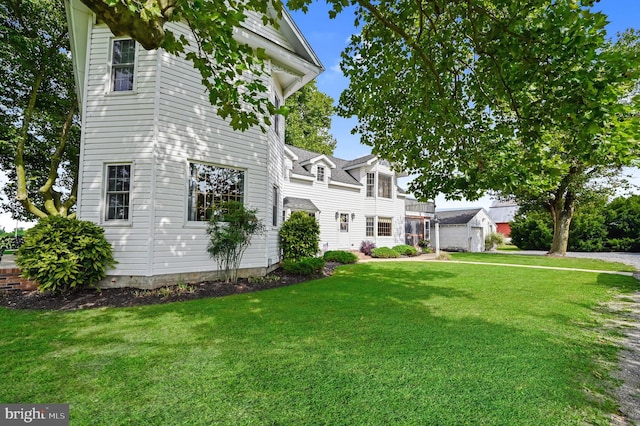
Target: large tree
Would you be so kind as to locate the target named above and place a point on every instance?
(39, 131)
(309, 120)
(526, 98)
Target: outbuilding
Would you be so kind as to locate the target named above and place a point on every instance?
(463, 230)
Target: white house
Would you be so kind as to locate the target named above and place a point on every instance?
(353, 200)
(155, 156)
(464, 229)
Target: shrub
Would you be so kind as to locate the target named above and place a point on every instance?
(423, 244)
(532, 231)
(366, 247)
(340, 256)
(384, 253)
(63, 254)
(230, 230)
(299, 236)
(405, 250)
(493, 240)
(304, 266)
(10, 242)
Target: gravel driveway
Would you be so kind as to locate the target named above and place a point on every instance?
(632, 259)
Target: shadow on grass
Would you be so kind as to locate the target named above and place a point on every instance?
(369, 345)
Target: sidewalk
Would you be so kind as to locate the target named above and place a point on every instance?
(8, 261)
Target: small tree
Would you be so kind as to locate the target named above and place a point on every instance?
(299, 236)
(230, 230)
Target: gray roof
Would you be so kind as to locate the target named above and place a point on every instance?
(300, 204)
(456, 217)
(503, 213)
(338, 174)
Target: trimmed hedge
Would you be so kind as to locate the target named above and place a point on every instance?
(340, 256)
(304, 266)
(384, 253)
(405, 250)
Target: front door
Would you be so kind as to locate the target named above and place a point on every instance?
(344, 231)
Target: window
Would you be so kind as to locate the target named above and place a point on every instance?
(384, 227)
(122, 62)
(274, 214)
(384, 186)
(210, 185)
(344, 222)
(371, 182)
(369, 227)
(118, 191)
(320, 174)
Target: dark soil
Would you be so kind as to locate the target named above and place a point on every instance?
(122, 297)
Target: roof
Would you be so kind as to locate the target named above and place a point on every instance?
(457, 217)
(503, 213)
(299, 204)
(338, 174)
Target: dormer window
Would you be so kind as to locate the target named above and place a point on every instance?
(122, 65)
(320, 174)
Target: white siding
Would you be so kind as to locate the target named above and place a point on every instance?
(190, 131)
(118, 127)
(333, 198)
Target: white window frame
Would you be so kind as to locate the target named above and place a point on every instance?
(107, 193)
(384, 221)
(275, 203)
(371, 185)
(381, 187)
(191, 210)
(320, 173)
(112, 67)
(370, 226)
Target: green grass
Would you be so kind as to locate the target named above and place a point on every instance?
(376, 344)
(562, 262)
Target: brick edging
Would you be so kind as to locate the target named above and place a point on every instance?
(11, 279)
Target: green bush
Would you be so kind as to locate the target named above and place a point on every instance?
(532, 231)
(230, 230)
(384, 253)
(299, 236)
(304, 266)
(405, 250)
(63, 254)
(493, 240)
(340, 256)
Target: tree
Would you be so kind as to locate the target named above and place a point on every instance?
(223, 62)
(525, 98)
(623, 222)
(309, 120)
(230, 230)
(39, 126)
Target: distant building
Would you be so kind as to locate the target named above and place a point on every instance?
(502, 213)
(464, 229)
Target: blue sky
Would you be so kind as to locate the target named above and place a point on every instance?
(328, 37)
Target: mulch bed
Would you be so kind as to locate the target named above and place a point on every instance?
(124, 297)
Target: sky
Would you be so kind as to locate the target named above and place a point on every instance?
(328, 37)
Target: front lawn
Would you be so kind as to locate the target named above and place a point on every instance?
(378, 343)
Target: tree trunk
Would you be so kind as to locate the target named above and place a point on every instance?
(562, 209)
